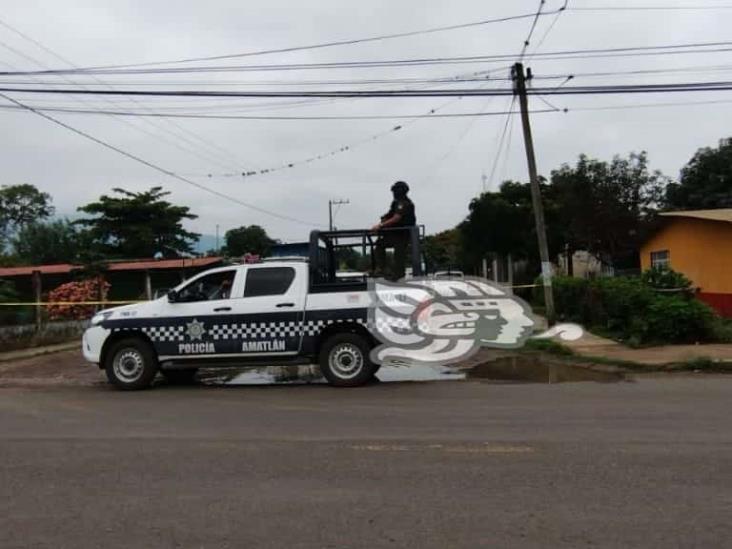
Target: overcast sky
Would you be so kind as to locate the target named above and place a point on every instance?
(442, 159)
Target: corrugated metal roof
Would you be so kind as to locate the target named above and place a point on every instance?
(62, 268)
(151, 264)
(137, 265)
(722, 214)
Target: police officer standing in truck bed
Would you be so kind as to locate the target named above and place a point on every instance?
(400, 214)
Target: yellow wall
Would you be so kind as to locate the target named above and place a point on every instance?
(700, 249)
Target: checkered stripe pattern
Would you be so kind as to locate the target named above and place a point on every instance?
(162, 333)
(254, 330)
(314, 327)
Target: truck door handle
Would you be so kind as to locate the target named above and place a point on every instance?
(221, 309)
(279, 305)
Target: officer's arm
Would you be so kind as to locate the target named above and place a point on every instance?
(393, 220)
(390, 220)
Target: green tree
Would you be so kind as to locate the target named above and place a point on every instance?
(21, 205)
(706, 180)
(252, 239)
(138, 225)
(607, 208)
(444, 249)
(503, 222)
(53, 242)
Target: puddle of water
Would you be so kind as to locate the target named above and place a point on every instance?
(536, 369)
(303, 375)
(518, 368)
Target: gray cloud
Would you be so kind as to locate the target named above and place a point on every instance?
(76, 171)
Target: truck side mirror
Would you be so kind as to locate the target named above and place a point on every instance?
(172, 296)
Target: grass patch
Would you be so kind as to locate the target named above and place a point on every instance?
(548, 346)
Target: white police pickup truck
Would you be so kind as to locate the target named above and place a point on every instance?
(280, 312)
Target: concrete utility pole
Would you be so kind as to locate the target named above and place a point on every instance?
(519, 80)
(332, 203)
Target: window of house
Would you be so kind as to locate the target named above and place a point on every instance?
(268, 281)
(660, 259)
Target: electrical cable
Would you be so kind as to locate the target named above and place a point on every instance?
(468, 92)
(134, 126)
(245, 117)
(501, 141)
(652, 8)
(215, 151)
(531, 30)
(326, 44)
(550, 28)
(698, 47)
(155, 166)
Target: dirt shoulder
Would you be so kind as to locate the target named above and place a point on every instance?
(64, 367)
(590, 346)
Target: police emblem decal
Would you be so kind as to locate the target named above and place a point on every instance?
(438, 322)
(195, 330)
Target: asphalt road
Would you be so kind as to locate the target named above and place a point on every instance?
(436, 464)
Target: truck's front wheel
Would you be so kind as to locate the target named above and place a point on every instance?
(344, 360)
(130, 364)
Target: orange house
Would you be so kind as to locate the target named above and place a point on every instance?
(698, 244)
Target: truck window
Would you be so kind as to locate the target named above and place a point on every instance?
(207, 288)
(268, 281)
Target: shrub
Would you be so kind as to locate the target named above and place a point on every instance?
(629, 308)
(663, 278)
(678, 320)
(92, 289)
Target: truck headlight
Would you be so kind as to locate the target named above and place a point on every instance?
(98, 318)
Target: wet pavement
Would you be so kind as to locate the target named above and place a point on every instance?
(470, 463)
(518, 369)
(68, 368)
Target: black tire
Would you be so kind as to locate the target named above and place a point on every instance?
(131, 364)
(344, 360)
(180, 377)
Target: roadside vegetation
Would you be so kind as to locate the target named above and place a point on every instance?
(657, 307)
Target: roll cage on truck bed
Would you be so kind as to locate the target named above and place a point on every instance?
(278, 311)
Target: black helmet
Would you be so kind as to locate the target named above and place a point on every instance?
(400, 187)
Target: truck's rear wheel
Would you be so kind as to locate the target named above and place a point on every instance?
(130, 364)
(344, 360)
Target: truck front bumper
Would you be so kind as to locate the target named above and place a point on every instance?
(92, 343)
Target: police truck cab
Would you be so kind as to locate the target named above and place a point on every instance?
(292, 311)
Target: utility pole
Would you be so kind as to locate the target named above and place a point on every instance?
(217, 238)
(519, 80)
(332, 203)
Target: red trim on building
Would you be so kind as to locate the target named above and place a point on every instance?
(722, 303)
(137, 265)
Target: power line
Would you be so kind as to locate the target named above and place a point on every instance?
(463, 92)
(183, 133)
(532, 29)
(155, 166)
(245, 117)
(327, 44)
(501, 140)
(178, 146)
(650, 105)
(336, 151)
(652, 8)
(550, 28)
(627, 51)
